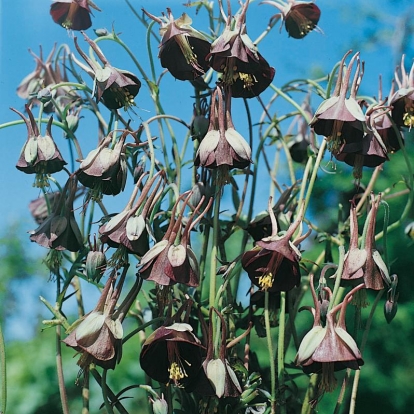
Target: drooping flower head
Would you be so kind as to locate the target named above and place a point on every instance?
(365, 264)
(172, 354)
(371, 150)
(172, 260)
(329, 348)
(216, 365)
(104, 169)
(273, 264)
(73, 14)
(40, 85)
(116, 88)
(338, 118)
(130, 228)
(243, 69)
(299, 17)
(222, 147)
(98, 336)
(39, 155)
(60, 230)
(183, 50)
(402, 101)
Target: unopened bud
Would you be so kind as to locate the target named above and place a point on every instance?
(95, 265)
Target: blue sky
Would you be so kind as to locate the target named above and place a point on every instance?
(27, 24)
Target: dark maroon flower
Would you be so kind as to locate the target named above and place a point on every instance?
(222, 146)
(273, 264)
(218, 370)
(235, 56)
(60, 230)
(338, 118)
(116, 88)
(391, 304)
(261, 226)
(130, 227)
(98, 337)
(104, 170)
(183, 50)
(300, 18)
(172, 260)
(172, 355)
(329, 348)
(365, 264)
(73, 14)
(39, 208)
(40, 154)
(402, 101)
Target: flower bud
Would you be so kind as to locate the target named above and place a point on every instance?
(44, 95)
(95, 265)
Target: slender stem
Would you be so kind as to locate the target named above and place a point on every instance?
(59, 368)
(104, 387)
(362, 347)
(281, 353)
(109, 392)
(3, 374)
(214, 247)
(271, 355)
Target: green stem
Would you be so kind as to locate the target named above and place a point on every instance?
(362, 347)
(59, 368)
(271, 355)
(3, 373)
(104, 387)
(281, 353)
(214, 247)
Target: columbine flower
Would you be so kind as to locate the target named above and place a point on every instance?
(300, 18)
(183, 50)
(39, 208)
(261, 225)
(73, 14)
(365, 264)
(172, 355)
(98, 337)
(218, 370)
(34, 81)
(222, 147)
(40, 154)
(370, 151)
(172, 260)
(130, 227)
(116, 88)
(104, 170)
(233, 54)
(329, 348)
(60, 230)
(273, 264)
(340, 119)
(402, 101)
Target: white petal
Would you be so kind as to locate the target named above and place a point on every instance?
(90, 325)
(309, 343)
(115, 326)
(47, 147)
(216, 373)
(356, 111)
(177, 255)
(180, 327)
(30, 151)
(153, 252)
(382, 266)
(238, 143)
(350, 342)
(134, 227)
(114, 222)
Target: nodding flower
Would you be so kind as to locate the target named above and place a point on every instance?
(243, 69)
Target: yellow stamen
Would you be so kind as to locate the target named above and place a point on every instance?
(266, 281)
